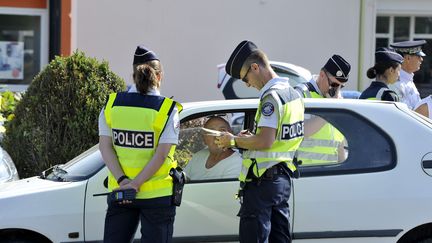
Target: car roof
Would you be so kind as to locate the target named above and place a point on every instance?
(352, 104)
(289, 67)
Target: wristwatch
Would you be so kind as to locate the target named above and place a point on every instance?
(233, 142)
(121, 178)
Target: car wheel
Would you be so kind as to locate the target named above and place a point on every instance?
(428, 240)
(18, 241)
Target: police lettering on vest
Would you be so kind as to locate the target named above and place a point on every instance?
(133, 139)
(290, 131)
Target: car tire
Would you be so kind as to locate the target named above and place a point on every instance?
(428, 240)
(18, 241)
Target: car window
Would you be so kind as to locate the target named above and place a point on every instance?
(197, 154)
(346, 143)
(322, 144)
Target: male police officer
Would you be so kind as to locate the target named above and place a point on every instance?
(413, 58)
(270, 148)
(323, 143)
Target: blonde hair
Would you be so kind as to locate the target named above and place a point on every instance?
(146, 75)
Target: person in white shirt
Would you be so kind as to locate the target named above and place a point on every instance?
(413, 58)
(213, 162)
(424, 107)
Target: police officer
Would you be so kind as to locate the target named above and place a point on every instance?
(269, 149)
(386, 71)
(323, 143)
(138, 132)
(413, 58)
(332, 77)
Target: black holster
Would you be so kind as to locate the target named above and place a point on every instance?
(179, 179)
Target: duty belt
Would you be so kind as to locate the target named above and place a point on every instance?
(270, 173)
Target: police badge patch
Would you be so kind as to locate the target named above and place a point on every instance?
(267, 109)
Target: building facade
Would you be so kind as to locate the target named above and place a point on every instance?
(192, 37)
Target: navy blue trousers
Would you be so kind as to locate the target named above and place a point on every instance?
(264, 213)
(156, 216)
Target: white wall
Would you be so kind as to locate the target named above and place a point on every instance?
(192, 36)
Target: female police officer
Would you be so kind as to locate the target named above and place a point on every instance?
(138, 131)
(386, 71)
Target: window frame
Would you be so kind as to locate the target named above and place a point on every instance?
(44, 42)
(352, 165)
(248, 113)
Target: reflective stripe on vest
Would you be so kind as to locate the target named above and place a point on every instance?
(306, 93)
(288, 138)
(379, 94)
(136, 122)
(322, 146)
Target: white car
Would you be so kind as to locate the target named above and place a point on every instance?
(233, 88)
(380, 193)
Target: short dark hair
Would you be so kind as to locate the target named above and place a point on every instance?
(258, 57)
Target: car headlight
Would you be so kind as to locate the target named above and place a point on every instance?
(8, 171)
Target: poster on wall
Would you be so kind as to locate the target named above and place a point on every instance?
(11, 60)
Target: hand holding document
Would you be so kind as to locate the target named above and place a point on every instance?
(211, 132)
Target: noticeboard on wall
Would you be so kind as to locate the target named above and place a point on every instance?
(11, 60)
(23, 46)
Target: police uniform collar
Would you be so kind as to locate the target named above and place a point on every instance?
(377, 83)
(405, 77)
(273, 82)
(315, 85)
(151, 91)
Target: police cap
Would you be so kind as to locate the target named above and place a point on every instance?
(410, 47)
(143, 55)
(338, 67)
(238, 57)
(387, 55)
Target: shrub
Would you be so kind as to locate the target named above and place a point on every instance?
(8, 102)
(57, 118)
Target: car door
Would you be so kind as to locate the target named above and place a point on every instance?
(209, 205)
(343, 200)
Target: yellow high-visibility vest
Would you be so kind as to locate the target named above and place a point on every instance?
(288, 138)
(322, 146)
(136, 122)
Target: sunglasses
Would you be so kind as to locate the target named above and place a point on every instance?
(333, 84)
(245, 79)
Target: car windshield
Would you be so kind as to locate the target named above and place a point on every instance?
(80, 168)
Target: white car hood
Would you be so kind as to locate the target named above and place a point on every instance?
(29, 186)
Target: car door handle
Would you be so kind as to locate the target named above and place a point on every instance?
(427, 164)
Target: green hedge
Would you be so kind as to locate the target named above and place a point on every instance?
(57, 118)
(8, 102)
